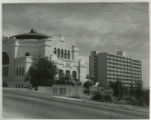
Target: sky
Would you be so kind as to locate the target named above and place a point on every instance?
(104, 27)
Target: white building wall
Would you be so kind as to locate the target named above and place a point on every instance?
(34, 47)
(16, 50)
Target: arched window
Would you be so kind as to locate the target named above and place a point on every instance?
(65, 54)
(4, 71)
(27, 54)
(55, 51)
(68, 54)
(72, 55)
(61, 53)
(58, 52)
(61, 74)
(67, 73)
(6, 63)
(74, 75)
(20, 71)
(7, 69)
(17, 71)
(5, 58)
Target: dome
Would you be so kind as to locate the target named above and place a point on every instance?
(33, 34)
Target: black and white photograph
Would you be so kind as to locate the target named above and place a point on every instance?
(75, 60)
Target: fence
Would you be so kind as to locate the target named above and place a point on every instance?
(63, 90)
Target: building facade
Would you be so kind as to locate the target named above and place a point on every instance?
(93, 65)
(111, 68)
(20, 52)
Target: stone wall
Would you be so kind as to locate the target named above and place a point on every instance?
(63, 90)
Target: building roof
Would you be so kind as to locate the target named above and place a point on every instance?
(33, 34)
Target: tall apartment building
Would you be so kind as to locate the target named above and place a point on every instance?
(110, 68)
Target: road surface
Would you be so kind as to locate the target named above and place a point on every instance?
(25, 106)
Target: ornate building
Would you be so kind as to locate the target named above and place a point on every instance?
(20, 51)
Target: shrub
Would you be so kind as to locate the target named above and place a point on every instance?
(108, 98)
(102, 97)
(97, 96)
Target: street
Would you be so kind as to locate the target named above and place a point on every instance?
(33, 106)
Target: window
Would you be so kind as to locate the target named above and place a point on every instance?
(72, 55)
(7, 69)
(108, 56)
(61, 74)
(27, 54)
(61, 53)
(4, 71)
(22, 71)
(67, 73)
(58, 52)
(55, 51)
(5, 59)
(74, 75)
(68, 54)
(17, 71)
(65, 54)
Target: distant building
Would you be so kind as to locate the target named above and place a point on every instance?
(106, 68)
(93, 66)
(84, 70)
(20, 52)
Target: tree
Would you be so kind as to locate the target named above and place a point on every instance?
(61, 76)
(92, 78)
(145, 95)
(65, 79)
(87, 85)
(131, 90)
(42, 73)
(111, 84)
(138, 91)
(118, 89)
